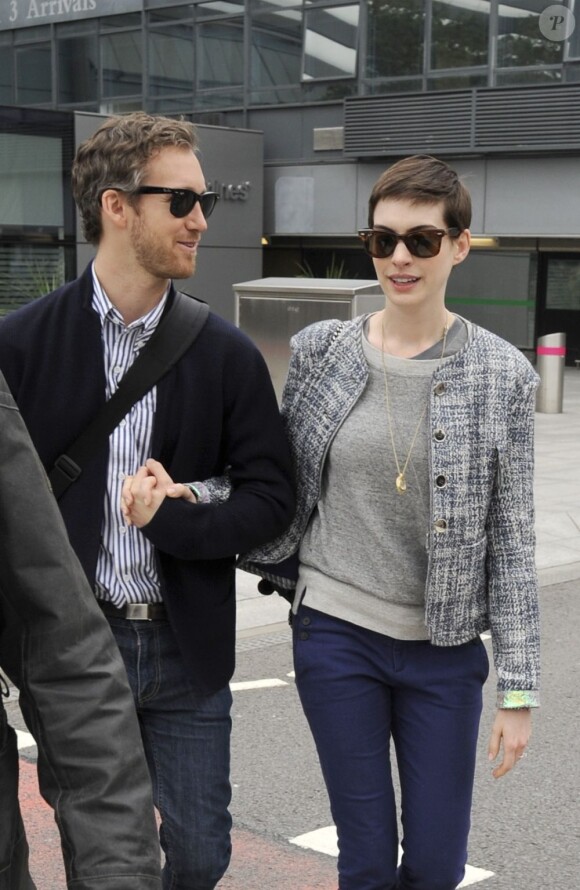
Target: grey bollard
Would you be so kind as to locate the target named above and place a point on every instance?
(551, 358)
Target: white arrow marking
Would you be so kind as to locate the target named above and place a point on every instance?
(323, 840)
(257, 684)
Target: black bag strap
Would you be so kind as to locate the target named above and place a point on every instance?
(174, 334)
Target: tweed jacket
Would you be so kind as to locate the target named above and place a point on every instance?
(481, 568)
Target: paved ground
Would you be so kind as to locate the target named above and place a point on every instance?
(259, 860)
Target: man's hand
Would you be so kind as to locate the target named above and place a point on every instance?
(511, 730)
(143, 493)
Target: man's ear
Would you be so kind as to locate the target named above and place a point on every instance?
(114, 206)
(462, 245)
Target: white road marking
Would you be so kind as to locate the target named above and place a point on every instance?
(257, 684)
(25, 740)
(323, 840)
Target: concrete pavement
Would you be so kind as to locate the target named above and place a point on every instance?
(262, 861)
(557, 488)
(557, 496)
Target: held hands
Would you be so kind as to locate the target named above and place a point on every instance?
(143, 493)
(512, 730)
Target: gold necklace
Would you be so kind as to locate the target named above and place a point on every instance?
(401, 481)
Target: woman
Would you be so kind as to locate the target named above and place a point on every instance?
(412, 435)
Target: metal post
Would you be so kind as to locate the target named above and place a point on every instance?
(551, 357)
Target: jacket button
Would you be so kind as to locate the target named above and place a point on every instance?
(304, 635)
(439, 389)
(441, 481)
(439, 435)
(306, 620)
(440, 525)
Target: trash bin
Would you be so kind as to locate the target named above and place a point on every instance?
(551, 358)
(271, 310)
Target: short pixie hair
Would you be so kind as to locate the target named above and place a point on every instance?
(422, 179)
(117, 155)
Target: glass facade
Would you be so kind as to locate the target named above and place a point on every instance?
(174, 56)
(37, 247)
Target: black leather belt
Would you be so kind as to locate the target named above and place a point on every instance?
(134, 611)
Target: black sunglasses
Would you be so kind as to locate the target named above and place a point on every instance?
(423, 243)
(182, 200)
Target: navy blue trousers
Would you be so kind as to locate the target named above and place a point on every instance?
(360, 689)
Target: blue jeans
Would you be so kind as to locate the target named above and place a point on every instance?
(186, 737)
(359, 689)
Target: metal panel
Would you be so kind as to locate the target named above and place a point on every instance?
(272, 310)
(527, 117)
(520, 119)
(378, 125)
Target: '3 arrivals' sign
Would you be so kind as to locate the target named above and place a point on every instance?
(23, 13)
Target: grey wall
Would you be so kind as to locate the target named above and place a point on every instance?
(492, 288)
(231, 249)
(527, 197)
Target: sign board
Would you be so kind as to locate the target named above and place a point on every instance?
(26, 13)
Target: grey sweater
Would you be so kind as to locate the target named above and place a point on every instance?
(363, 557)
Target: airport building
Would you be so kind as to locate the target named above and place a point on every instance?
(302, 104)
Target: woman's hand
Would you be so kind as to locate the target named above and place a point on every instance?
(511, 731)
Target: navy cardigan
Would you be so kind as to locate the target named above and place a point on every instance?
(216, 411)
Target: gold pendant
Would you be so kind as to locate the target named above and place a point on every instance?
(401, 483)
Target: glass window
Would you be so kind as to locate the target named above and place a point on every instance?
(563, 289)
(6, 75)
(274, 5)
(77, 69)
(273, 96)
(27, 35)
(572, 73)
(330, 42)
(457, 81)
(151, 3)
(528, 78)
(395, 38)
(121, 60)
(220, 54)
(31, 181)
(34, 75)
(170, 15)
(114, 22)
(70, 29)
(222, 99)
(520, 43)
(276, 57)
(402, 85)
(120, 106)
(219, 8)
(171, 60)
(316, 91)
(459, 34)
(28, 271)
(574, 41)
(168, 105)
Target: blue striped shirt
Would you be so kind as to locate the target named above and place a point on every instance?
(126, 569)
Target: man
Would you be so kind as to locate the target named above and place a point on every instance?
(141, 194)
(74, 695)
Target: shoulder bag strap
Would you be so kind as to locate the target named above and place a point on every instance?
(173, 336)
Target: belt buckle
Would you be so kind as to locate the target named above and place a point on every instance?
(137, 612)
